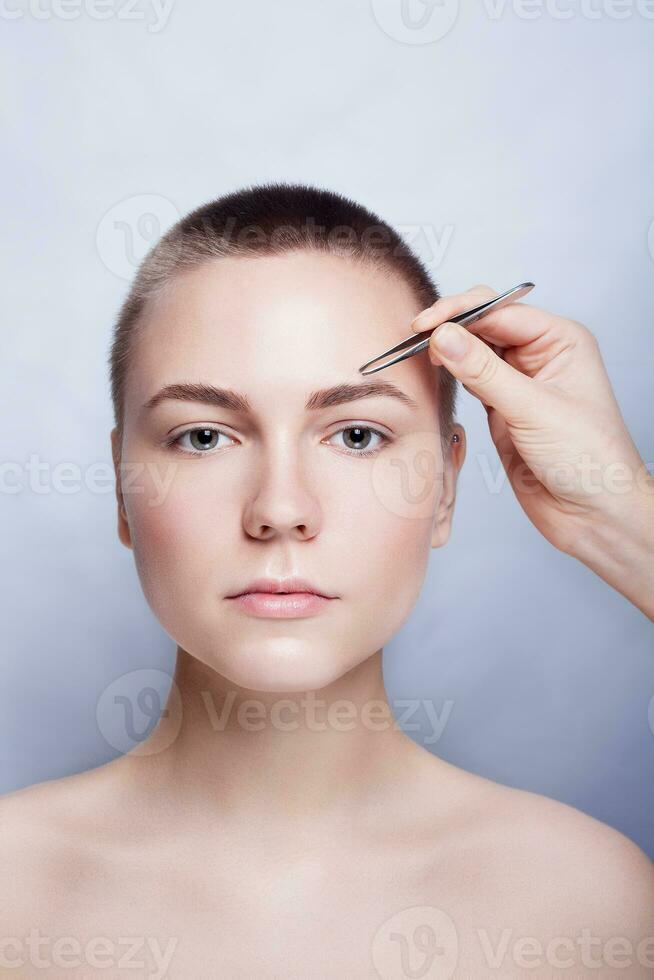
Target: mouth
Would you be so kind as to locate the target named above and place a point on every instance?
(282, 599)
(287, 586)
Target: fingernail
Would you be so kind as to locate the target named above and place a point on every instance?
(451, 341)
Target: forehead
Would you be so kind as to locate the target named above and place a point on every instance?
(292, 321)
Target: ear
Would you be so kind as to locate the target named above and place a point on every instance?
(123, 526)
(453, 458)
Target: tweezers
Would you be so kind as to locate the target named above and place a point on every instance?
(420, 341)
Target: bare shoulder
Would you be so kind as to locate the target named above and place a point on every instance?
(588, 857)
(54, 807)
(49, 840)
(596, 886)
(554, 871)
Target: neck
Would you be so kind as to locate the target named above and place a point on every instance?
(287, 758)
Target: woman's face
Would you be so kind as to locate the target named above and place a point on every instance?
(346, 490)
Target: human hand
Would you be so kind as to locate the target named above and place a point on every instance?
(554, 420)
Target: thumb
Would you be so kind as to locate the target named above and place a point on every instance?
(482, 372)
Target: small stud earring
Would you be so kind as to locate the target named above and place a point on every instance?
(455, 437)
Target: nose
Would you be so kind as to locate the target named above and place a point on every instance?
(283, 502)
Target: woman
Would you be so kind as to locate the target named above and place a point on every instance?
(275, 823)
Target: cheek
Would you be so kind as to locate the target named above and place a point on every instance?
(383, 523)
(408, 483)
(183, 533)
(392, 563)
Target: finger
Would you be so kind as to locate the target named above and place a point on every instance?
(448, 306)
(515, 325)
(531, 338)
(484, 374)
(496, 348)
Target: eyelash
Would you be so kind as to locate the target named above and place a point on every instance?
(173, 442)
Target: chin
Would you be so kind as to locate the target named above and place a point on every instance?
(285, 664)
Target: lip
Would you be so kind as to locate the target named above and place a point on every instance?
(263, 597)
(269, 605)
(293, 584)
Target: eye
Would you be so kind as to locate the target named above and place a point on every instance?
(358, 440)
(201, 440)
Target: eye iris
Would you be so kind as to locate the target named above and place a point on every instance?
(359, 438)
(200, 438)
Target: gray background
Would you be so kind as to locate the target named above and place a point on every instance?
(522, 144)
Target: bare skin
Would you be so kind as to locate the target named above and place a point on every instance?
(205, 891)
(281, 843)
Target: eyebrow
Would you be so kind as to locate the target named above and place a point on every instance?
(324, 398)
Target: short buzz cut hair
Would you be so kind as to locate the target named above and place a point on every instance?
(271, 219)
